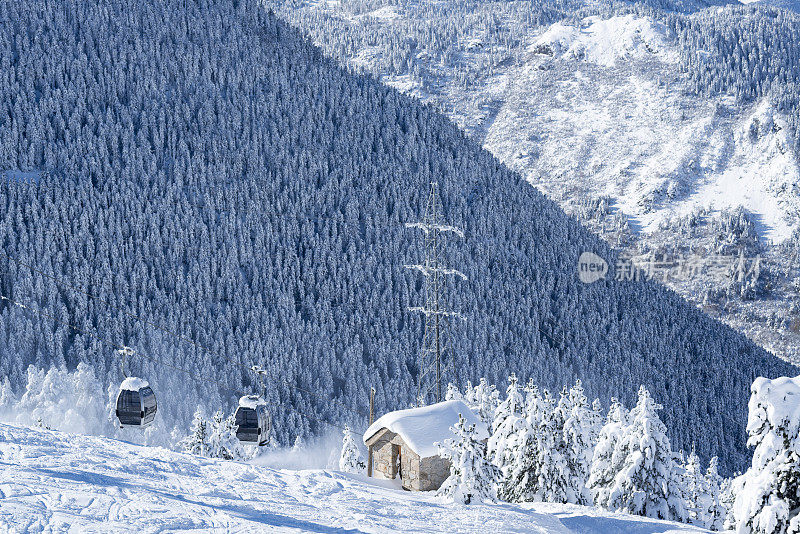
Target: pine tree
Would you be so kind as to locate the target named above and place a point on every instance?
(553, 480)
(769, 498)
(731, 488)
(699, 502)
(222, 440)
(350, 460)
(580, 436)
(453, 393)
(715, 483)
(641, 465)
(483, 400)
(678, 487)
(522, 483)
(7, 397)
(197, 440)
(596, 421)
(473, 478)
(603, 469)
(506, 427)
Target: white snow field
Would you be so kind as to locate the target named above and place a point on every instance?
(58, 482)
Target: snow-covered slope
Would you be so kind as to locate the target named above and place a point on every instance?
(595, 105)
(52, 481)
(793, 5)
(612, 118)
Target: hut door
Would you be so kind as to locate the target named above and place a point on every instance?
(396, 461)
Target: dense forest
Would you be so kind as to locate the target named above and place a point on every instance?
(750, 51)
(202, 166)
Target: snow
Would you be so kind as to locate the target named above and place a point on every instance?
(58, 482)
(607, 41)
(385, 13)
(133, 383)
(251, 401)
(614, 117)
(421, 428)
(777, 399)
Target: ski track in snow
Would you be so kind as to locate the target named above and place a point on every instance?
(58, 482)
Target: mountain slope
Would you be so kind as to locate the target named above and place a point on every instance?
(53, 481)
(205, 168)
(654, 122)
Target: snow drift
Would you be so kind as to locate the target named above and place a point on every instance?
(52, 481)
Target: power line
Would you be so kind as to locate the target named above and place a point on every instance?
(436, 344)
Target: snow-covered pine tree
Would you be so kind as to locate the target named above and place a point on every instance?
(731, 487)
(473, 478)
(350, 460)
(596, 423)
(679, 487)
(580, 438)
(7, 397)
(769, 498)
(469, 397)
(483, 400)
(715, 483)
(197, 440)
(603, 469)
(522, 481)
(222, 440)
(698, 499)
(553, 480)
(506, 428)
(642, 463)
(453, 392)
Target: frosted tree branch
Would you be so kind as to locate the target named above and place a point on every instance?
(441, 313)
(427, 271)
(427, 228)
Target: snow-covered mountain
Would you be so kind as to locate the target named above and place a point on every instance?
(251, 208)
(657, 115)
(794, 5)
(612, 119)
(53, 481)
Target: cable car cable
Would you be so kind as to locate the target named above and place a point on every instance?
(180, 337)
(116, 346)
(154, 360)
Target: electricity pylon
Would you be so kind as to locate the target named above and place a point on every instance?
(436, 343)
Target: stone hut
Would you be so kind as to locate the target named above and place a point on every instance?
(402, 443)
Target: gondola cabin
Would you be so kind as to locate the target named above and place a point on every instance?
(252, 420)
(136, 403)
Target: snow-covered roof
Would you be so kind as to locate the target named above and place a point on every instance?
(422, 427)
(133, 383)
(251, 401)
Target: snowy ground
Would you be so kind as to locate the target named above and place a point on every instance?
(57, 482)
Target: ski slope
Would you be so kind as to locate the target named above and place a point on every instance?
(57, 482)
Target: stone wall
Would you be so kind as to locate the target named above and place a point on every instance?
(418, 474)
(434, 470)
